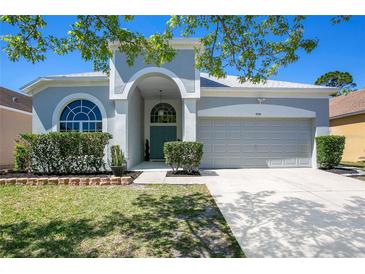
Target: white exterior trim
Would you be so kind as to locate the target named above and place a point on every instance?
(45, 82)
(152, 71)
(177, 43)
(197, 84)
(16, 110)
(257, 111)
(318, 131)
(63, 103)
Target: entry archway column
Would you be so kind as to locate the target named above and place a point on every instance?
(189, 111)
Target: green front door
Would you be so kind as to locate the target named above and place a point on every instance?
(158, 136)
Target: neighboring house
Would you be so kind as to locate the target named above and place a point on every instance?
(15, 118)
(347, 117)
(241, 125)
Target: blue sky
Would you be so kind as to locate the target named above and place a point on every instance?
(341, 47)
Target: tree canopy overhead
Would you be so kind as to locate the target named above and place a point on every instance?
(342, 80)
(256, 46)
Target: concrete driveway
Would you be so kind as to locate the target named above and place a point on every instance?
(292, 212)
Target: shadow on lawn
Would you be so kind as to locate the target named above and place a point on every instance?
(178, 226)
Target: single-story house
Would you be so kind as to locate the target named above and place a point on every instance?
(271, 124)
(15, 118)
(347, 117)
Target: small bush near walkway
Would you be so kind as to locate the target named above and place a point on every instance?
(62, 152)
(186, 155)
(329, 150)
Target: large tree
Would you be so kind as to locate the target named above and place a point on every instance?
(342, 80)
(256, 46)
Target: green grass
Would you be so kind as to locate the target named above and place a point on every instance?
(153, 221)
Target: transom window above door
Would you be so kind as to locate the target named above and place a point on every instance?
(163, 113)
(81, 115)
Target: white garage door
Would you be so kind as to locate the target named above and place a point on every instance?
(250, 142)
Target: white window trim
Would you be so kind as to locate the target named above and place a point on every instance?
(78, 96)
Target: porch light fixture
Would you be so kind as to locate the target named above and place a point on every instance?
(161, 112)
(261, 100)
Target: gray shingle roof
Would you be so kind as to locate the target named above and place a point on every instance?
(233, 82)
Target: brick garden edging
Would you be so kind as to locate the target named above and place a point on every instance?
(73, 181)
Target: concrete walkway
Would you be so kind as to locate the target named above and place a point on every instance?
(159, 177)
(292, 212)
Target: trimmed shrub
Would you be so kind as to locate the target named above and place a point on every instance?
(117, 156)
(21, 157)
(329, 150)
(186, 155)
(66, 152)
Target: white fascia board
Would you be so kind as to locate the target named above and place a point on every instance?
(268, 92)
(347, 114)
(43, 82)
(15, 110)
(178, 43)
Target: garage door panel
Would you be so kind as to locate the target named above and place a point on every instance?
(219, 135)
(238, 142)
(233, 135)
(219, 148)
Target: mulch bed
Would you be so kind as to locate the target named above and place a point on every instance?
(343, 170)
(14, 174)
(182, 173)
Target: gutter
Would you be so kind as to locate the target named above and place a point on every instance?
(348, 114)
(41, 80)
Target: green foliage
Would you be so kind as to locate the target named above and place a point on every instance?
(117, 156)
(256, 46)
(183, 154)
(329, 150)
(338, 79)
(89, 35)
(66, 152)
(22, 157)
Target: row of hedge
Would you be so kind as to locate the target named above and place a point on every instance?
(61, 152)
(82, 153)
(187, 155)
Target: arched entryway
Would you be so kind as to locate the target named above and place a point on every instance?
(134, 104)
(154, 115)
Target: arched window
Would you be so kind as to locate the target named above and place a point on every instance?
(81, 115)
(163, 113)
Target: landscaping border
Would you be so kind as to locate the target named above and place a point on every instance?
(72, 181)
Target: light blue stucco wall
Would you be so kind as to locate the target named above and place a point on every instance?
(318, 105)
(183, 65)
(45, 102)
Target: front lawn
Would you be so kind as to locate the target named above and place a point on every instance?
(150, 221)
